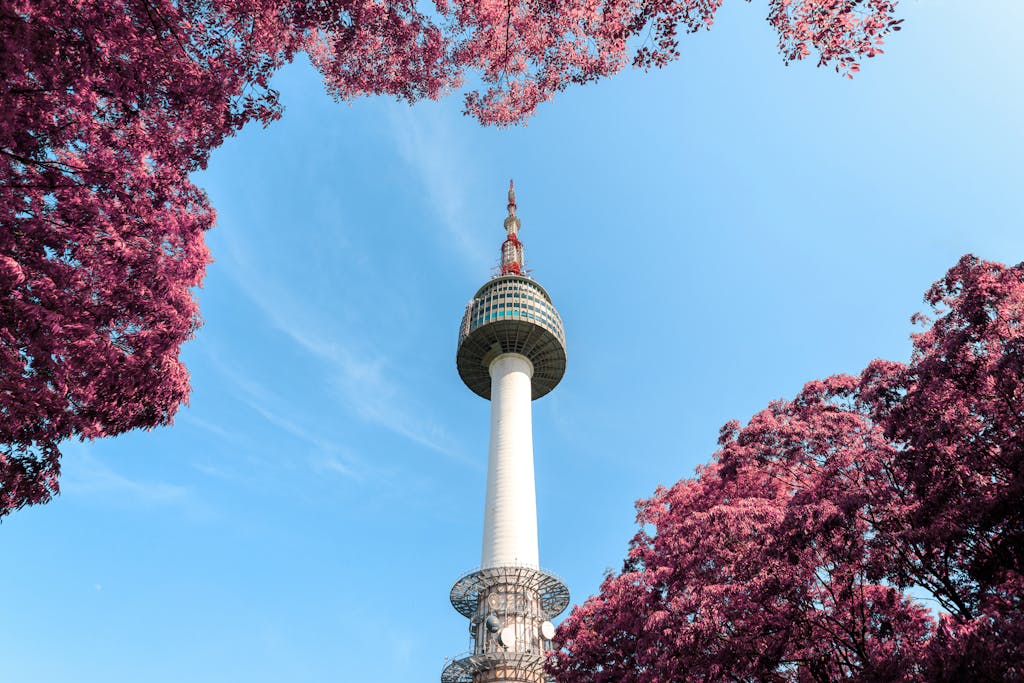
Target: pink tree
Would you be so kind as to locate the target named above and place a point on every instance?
(106, 107)
(790, 556)
(956, 414)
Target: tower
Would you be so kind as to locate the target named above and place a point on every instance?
(511, 351)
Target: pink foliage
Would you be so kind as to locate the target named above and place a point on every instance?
(527, 50)
(790, 556)
(106, 107)
(839, 31)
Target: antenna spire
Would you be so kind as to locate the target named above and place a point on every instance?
(512, 249)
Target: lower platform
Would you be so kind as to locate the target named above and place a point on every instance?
(552, 591)
(509, 667)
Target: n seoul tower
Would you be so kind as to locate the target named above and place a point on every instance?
(511, 351)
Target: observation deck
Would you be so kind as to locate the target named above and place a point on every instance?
(511, 314)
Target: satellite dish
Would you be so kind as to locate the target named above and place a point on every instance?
(493, 600)
(507, 637)
(493, 623)
(547, 630)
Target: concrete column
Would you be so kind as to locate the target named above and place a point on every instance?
(510, 512)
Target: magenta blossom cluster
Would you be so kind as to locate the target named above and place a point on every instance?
(804, 550)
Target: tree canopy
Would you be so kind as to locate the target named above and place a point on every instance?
(106, 107)
(803, 551)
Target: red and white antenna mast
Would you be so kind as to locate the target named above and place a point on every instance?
(512, 249)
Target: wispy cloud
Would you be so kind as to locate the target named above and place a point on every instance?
(425, 142)
(359, 378)
(273, 410)
(332, 464)
(184, 417)
(87, 476)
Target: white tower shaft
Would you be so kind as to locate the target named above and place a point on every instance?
(510, 512)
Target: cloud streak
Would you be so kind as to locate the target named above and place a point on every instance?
(269, 406)
(425, 143)
(359, 379)
(89, 477)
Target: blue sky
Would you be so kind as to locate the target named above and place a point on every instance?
(714, 235)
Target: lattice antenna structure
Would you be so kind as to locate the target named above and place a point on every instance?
(511, 351)
(512, 249)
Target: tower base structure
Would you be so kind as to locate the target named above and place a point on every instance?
(508, 607)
